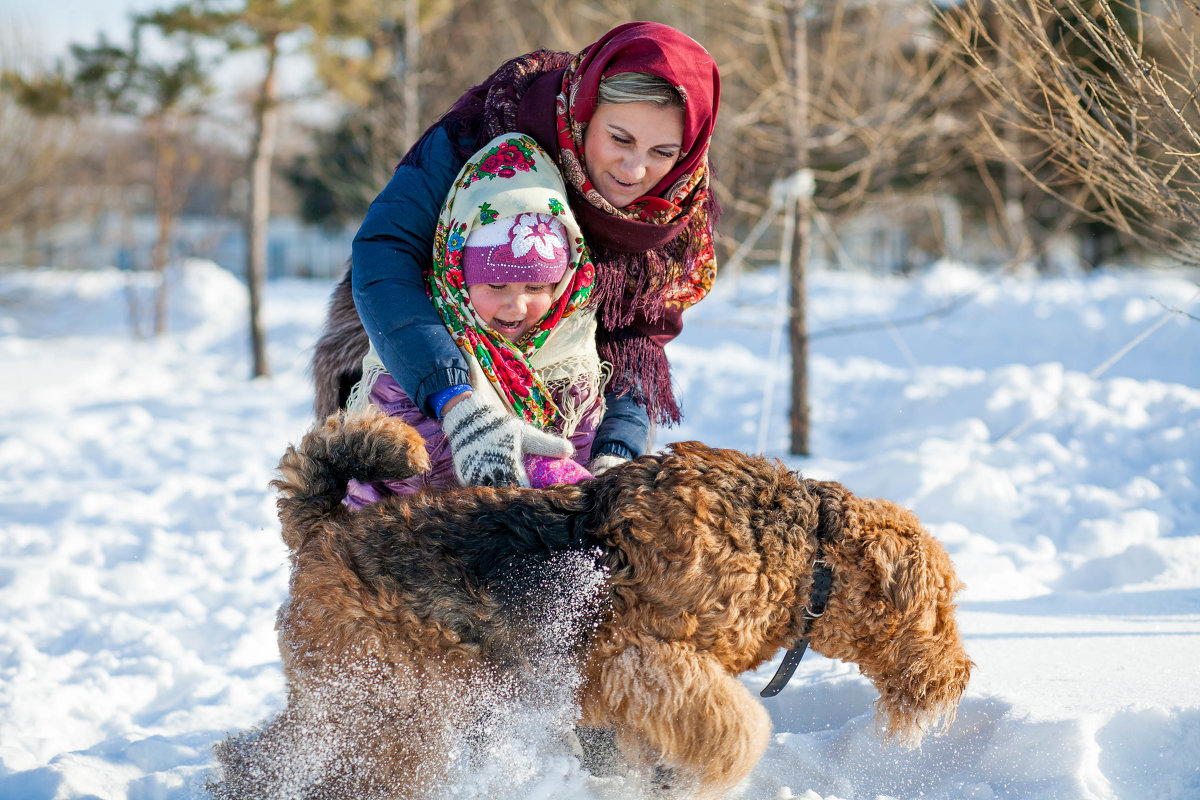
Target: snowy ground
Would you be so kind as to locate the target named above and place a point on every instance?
(140, 563)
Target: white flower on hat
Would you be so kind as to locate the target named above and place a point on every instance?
(540, 232)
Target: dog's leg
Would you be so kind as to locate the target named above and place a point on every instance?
(350, 737)
(677, 712)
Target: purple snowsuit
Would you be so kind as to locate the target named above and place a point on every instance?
(388, 395)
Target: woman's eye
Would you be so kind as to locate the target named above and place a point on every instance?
(664, 153)
(621, 139)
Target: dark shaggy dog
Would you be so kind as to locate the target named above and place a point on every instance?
(337, 358)
(709, 557)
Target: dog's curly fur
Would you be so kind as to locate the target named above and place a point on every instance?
(710, 563)
(337, 358)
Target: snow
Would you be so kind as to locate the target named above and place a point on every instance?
(141, 565)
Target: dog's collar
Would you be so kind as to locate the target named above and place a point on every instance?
(818, 598)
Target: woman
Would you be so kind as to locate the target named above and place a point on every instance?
(635, 162)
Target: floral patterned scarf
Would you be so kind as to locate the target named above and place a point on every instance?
(508, 176)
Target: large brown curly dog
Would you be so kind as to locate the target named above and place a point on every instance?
(709, 556)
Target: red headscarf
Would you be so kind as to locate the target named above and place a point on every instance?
(660, 50)
(677, 209)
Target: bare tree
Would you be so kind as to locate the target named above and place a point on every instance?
(260, 26)
(369, 56)
(843, 104)
(800, 210)
(163, 94)
(1108, 91)
(36, 154)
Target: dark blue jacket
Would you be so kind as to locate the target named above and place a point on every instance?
(390, 250)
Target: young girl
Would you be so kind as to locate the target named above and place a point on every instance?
(510, 278)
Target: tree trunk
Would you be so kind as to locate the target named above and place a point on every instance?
(797, 27)
(266, 113)
(29, 239)
(412, 75)
(164, 172)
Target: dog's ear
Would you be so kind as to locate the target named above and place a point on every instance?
(914, 570)
(902, 573)
(895, 547)
(924, 670)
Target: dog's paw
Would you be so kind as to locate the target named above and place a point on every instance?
(664, 780)
(596, 749)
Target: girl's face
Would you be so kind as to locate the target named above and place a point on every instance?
(511, 309)
(630, 147)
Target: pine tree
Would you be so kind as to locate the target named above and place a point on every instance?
(369, 54)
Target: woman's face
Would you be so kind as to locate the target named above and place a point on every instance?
(630, 147)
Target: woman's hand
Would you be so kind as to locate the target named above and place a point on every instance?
(489, 444)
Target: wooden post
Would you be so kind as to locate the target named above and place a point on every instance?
(801, 185)
(1014, 179)
(164, 199)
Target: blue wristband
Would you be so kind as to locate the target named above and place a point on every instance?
(439, 399)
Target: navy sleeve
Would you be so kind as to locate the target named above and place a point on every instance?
(390, 250)
(625, 429)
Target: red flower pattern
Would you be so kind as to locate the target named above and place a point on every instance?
(505, 162)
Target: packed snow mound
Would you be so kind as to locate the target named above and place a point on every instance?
(206, 297)
(202, 298)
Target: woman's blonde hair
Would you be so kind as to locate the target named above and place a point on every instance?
(639, 87)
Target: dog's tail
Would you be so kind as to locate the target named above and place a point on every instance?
(367, 446)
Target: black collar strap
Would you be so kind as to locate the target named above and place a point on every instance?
(817, 600)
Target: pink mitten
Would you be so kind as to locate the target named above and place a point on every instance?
(544, 471)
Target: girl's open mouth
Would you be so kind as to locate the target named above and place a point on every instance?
(504, 326)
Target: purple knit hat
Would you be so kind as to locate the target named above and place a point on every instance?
(526, 248)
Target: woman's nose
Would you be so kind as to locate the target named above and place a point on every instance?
(634, 166)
